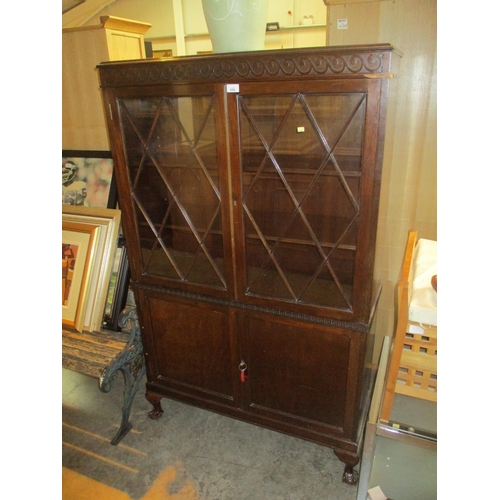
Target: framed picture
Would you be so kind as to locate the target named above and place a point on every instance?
(118, 288)
(87, 179)
(79, 242)
(100, 267)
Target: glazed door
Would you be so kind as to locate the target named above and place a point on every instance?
(175, 165)
(307, 155)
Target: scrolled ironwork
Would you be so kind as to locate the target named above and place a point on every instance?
(130, 362)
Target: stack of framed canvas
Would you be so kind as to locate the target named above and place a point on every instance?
(94, 262)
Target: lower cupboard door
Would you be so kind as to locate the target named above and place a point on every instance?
(190, 351)
(297, 375)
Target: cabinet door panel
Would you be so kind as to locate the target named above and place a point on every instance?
(297, 372)
(173, 164)
(306, 164)
(191, 351)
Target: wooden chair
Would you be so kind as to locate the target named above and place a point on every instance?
(413, 366)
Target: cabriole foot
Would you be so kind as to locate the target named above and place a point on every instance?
(350, 460)
(157, 410)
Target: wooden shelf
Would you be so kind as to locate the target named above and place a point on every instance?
(299, 26)
(294, 27)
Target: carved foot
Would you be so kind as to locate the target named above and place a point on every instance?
(350, 460)
(350, 475)
(157, 410)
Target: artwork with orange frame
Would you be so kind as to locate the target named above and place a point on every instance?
(78, 256)
(91, 285)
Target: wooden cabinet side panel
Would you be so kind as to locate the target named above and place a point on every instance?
(124, 46)
(83, 125)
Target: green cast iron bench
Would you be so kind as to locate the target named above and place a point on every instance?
(103, 354)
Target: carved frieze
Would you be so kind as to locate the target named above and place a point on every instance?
(250, 66)
(357, 327)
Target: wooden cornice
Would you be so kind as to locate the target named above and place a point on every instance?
(116, 24)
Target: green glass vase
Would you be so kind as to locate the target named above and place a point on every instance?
(236, 25)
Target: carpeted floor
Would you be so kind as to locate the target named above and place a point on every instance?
(188, 454)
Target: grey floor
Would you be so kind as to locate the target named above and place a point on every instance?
(219, 457)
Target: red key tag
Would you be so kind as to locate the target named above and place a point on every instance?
(242, 367)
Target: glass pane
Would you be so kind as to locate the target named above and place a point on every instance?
(173, 166)
(404, 470)
(302, 158)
